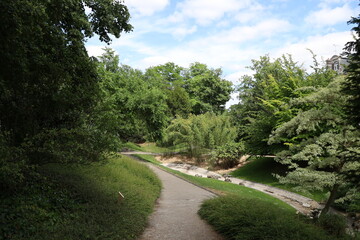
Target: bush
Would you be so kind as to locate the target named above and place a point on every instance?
(13, 165)
(249, 219)
(200, 133)
(227, 156)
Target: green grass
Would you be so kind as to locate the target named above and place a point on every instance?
(225, 187)
(153, 148)
(242, 218)
(261, 170)
(82, 202)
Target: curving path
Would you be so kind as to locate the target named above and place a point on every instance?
(299, 202)
(175, 216)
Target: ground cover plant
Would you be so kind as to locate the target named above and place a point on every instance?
(82, 202)
(241, 218)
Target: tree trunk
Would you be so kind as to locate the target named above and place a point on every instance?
(330, 200)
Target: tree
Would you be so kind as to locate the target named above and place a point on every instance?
(206, 88)
(265, 97)
(131, 108)
(48, 83)
(200, 133)
(352, 84)
(169, 78)
(324, 150)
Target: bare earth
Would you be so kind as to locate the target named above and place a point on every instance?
(175, 216)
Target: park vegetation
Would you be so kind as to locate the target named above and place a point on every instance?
(63, 114)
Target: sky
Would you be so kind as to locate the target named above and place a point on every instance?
(228, 34)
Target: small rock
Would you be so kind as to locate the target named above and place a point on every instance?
(227, 180)
(198, 175)
(213, 176)
(306, 205)
(240, 183)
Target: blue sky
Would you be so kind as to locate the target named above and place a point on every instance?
(229, 33)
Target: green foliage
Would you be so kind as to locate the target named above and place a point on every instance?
(323, 149)
(228, 155)
(239, 218)
(48, 84)
(12, 164)
(351, 86)
(265, 99)
(81, 202)
(130, 108)
(208, 91)
(263, 170)
(200, 133)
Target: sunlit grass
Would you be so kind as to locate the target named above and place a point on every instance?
(261, 170)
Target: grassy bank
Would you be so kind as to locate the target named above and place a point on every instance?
(82, 202)
(261, 170)
(241, 218)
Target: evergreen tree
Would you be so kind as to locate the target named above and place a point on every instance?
(324, 150)
(352, 83)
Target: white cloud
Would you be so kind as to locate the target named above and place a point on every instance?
(206, 11)
(146, 8)
(240, 34)
(95, 50)
(330, 16)
(324, 46)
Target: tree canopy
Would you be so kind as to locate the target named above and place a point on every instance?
(324, 150)
(352, 83)
(48, 83)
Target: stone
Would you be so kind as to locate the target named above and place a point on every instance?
(213, 176)
(306, 205)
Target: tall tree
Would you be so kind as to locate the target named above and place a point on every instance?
(48, 83)
(352, 83)
(265, 96)
(208, 91)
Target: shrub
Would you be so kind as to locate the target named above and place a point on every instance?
(227, 156)
(200, 133)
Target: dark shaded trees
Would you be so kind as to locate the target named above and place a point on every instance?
(48, 84)
(352, 83)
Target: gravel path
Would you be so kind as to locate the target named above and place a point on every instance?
(175, 216)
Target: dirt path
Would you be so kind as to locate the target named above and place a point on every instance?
(175, 216)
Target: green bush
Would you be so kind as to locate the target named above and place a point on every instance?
(200, 133)
(250, 219)
(227, 156)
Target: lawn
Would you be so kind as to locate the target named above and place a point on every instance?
(261, 170)
(82, 202)
(152, 147)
